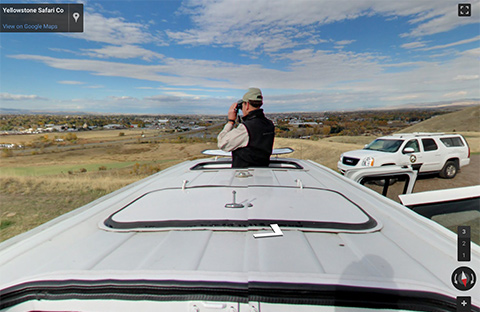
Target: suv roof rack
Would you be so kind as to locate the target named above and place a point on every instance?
(417, 134)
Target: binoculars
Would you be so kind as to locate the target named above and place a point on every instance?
(239, 105)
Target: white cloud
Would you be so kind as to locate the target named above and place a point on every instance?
(162, 97)
(456, 94)
(114, 30)
(413, 45)
(123, 52)
(344, 42)
(271, 26)
(443, 46)
(318, 75)
(71, 82)
(250, 25)
(360, 74)
(466, 77)
(442, 16)
(19, 97)
(406, 97)
(185, 95)
(122, 98)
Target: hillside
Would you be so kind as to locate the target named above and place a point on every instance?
(467, 119)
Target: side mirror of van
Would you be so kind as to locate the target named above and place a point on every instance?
(408, 150)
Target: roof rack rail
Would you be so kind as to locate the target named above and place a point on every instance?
(417, 134)
(276, 151)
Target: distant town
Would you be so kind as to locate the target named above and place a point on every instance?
(290, 125)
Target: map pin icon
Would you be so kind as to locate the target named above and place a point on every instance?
(76, 15)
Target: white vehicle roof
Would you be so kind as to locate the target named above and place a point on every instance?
(183, 234)
(439, 196)
(417, 134)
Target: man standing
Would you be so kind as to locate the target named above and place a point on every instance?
(251, 143)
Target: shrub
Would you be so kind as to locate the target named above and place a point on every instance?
(72, 137)
(144, 169)
(7, 152)
(102, 168)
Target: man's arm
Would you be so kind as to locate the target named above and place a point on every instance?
(232, 138)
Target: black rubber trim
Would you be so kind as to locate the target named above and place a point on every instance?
(369, 224)
(278, 293)
(403, 177)
(273, 163)
(416, 166)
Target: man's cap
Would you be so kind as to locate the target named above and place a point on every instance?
(253, 94)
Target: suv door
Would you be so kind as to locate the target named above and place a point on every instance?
(415, 159)
(432, 157)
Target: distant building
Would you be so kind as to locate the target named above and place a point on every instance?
(113, 126)
(301, 123)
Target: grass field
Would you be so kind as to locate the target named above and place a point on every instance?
(37, 188)
(62, 169)
(91, 136)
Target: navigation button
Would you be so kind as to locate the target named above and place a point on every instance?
(463, 278)
(464, 304)
(464, 9)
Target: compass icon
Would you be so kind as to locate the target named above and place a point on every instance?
(463, 278)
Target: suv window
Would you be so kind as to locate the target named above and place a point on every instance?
(451, 142)
(413, 144)
(384, 145)
(429, 145)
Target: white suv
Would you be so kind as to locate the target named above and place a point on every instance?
(426, 152)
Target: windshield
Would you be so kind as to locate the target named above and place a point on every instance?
(383, 145)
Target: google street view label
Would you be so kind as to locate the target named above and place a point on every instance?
(43, 17)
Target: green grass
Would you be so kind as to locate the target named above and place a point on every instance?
(5, 223)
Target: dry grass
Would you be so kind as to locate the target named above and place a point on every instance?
(473, 140)
(91, 136)
(28, 201)
(467, 119)
(326, 151)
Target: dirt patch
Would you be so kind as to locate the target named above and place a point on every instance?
(468, 176)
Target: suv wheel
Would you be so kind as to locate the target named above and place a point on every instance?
(450, 170)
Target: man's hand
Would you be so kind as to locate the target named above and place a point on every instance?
(232, 112)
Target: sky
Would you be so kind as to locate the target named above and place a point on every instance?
(199, 56)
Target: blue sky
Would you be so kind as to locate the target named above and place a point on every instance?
(199, 56)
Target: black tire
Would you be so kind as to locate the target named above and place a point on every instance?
(449, 171)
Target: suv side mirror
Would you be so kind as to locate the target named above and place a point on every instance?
(408, 150)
